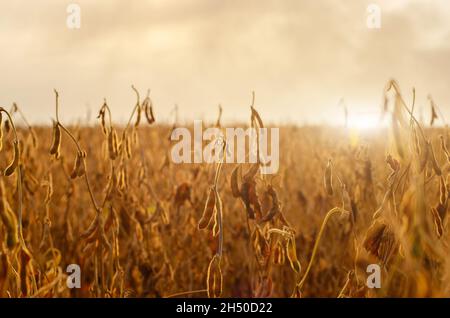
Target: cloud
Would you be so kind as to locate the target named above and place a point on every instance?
(299, 56)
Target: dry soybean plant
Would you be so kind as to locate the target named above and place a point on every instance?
(109, 199)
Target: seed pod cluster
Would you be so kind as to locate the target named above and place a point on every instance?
(78, 167)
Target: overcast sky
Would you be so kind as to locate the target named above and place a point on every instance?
(300, 56)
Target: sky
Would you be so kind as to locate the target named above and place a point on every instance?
(299, 56)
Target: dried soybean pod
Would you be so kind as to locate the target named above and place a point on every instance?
(443, 146)
(437, 222)
(434, 162)
(292, 254)
(416, 141)
(282, 255)
(15, 161)
(122, 183)
(148, 111)
(8, 218)
(101, 115)
(251, 173)
(90, 230)
(151, 115)
(138, 115)
(127, 142)
(34, 138)
(424, 158)
(93, 237)
(443, 193)
(116, 144)
(278, 254)
(434, 115)
(76, 166)
(112, 143)
(275, 209)
(328, 178)
(208, 211)
(7, 126)
(81, 170)
(257, 117)
(234, 182)
(56, 144)
(214, 278)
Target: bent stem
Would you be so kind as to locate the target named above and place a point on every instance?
(86, 178)
(316, 244)
(19, 183)
(136, 107)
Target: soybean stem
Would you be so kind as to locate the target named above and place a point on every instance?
(316, 244)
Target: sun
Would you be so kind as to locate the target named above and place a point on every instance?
(365, 121)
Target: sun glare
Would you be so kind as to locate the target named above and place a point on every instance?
(365, 121)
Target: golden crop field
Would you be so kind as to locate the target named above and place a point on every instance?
(109, 199)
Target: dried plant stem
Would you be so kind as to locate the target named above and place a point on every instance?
(218, 202)
(86, 178)
(19, 182)
(397, 91)
(49, 286)
(316, 244)
(347, 282)
(136, 107)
